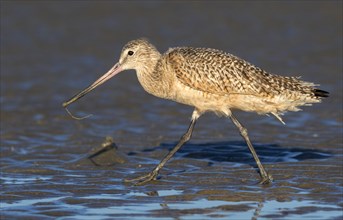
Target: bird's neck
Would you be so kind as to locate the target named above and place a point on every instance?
(151, 76)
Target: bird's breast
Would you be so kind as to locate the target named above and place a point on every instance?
(156, 85)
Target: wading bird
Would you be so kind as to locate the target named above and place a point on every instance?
(210, 80)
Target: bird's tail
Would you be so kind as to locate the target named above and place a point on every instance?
(320, 93)
(297, 93)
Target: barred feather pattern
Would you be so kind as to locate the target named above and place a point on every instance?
(213, 80)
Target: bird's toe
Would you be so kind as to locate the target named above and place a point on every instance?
(268, 179)
(141, 180)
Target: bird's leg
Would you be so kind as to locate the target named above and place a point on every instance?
(266, 178)
(153, 174)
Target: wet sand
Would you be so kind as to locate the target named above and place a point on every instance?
(47, 170)
(208, 180)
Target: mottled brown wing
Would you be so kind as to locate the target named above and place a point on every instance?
(216, 72)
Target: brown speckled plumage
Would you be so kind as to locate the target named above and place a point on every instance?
(217, 81)
(210, 80)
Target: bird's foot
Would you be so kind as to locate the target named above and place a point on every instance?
(266, 179)
(141, 180)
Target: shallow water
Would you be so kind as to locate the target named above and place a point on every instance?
(50, 51)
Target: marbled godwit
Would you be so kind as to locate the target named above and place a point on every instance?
(209, 80)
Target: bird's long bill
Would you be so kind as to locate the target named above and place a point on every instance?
(112, 72)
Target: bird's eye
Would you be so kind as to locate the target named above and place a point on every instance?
(130, 52)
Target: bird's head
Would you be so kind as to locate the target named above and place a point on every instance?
(137, 54)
